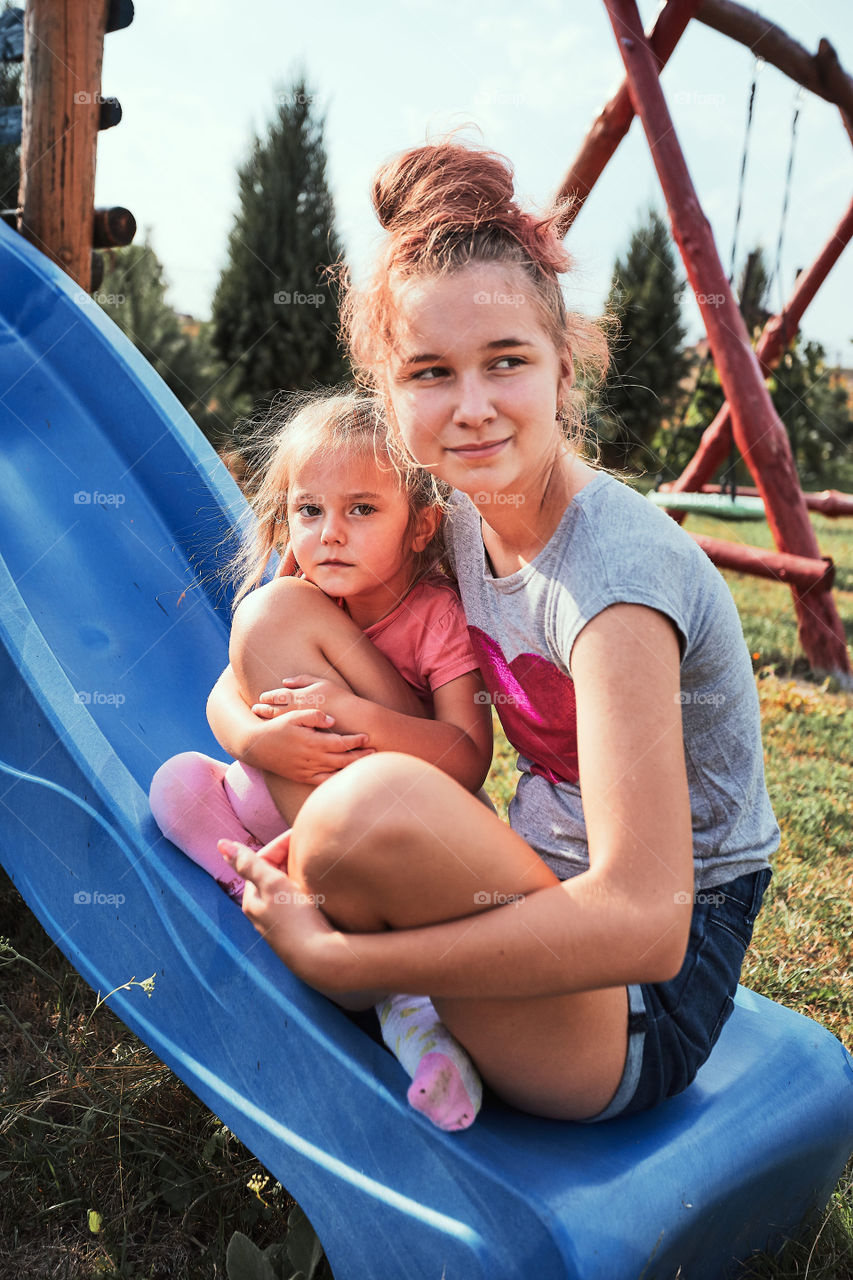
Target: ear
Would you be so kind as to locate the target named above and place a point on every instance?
(426, 527)
(567, 377)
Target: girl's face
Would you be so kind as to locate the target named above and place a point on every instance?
(350, 532)
(475, 383)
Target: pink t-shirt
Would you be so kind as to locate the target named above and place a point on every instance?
(426, 637)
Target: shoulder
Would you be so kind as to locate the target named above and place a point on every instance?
(436, 597)
(616, 547)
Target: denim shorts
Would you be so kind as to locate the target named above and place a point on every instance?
(672, 1026)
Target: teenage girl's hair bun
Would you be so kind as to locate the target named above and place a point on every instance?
(445, 192)
(443, 182)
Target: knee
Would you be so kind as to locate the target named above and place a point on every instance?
(182, 781)
(268, 606)
(269, 617)
(352, 824)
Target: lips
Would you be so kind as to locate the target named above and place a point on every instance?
(483, 449)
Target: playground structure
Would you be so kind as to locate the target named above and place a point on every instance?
(116, 519)
(748, 416)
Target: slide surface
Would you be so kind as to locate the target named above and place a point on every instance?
(115, 523)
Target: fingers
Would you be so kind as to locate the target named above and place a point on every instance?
(247, 863)
(276, 851)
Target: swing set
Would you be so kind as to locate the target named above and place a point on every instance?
(748, 419)
(113, 628)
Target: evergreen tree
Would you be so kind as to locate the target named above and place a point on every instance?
(648, 360)
(814, 411)
(10, 152)
(274, 315)
(816, 414)
(133, 293)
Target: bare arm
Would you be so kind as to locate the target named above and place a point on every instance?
(458, 741)
(292, 746)
(625, 920)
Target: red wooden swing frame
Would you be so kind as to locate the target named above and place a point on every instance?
(748, 414)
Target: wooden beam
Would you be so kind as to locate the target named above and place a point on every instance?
(614, 119)
(63, 52)
(820, 73)
(799, 571)
(758, 431)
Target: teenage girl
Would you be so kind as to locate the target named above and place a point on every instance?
(641, 828)
(374, 618)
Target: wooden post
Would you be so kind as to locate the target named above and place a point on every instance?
(714, 446)
(614, 119)
(63, 52)
(758, 431)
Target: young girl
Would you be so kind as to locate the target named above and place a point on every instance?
(628, 884)
(366, 537)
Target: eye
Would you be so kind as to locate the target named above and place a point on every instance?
(309, 510)
(363, 509)
(509, 362)
(430, 374)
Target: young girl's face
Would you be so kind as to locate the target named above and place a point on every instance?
(476, 382)
(350, 532)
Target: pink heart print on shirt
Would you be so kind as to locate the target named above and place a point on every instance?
(536, 705)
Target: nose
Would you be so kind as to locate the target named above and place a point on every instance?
(473, 402)
(333, 529)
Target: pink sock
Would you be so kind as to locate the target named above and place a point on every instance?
(191, 808)
(251, 801)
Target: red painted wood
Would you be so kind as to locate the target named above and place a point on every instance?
(758, 432)
(614, 119)
(792, 570)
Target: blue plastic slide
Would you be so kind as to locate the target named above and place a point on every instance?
(114, 523)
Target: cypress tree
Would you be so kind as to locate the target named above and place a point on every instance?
(648, 360)
(274, 315)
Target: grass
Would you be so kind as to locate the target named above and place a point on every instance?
(111, 1168)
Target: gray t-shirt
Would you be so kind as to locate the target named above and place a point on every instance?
(613, 546)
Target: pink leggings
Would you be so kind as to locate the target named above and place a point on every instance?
(197, 801)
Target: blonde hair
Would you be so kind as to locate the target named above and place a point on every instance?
(324, 425)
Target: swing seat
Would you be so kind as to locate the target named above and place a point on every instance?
(720, 505)
(113, 626)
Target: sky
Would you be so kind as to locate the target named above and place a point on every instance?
(198, 79)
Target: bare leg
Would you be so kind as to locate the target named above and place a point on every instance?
(289, 627)
(395, 843)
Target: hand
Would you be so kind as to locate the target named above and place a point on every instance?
(289, 920)
(303, 692)
(298, 745)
